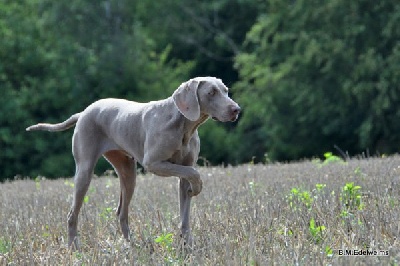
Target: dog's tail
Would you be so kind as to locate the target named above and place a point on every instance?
(70, 122)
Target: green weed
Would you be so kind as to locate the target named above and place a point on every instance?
(316, 231)
(328, 251)
(329, 159)
(69, 183)
(351, 197)
(320, 187)
(37, 182)
(86, 199)
(5, 246)
(284, 231)
(297, 197)
(166, 240)
(106, 213)
(253, 187)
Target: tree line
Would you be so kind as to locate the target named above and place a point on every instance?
(309, 75)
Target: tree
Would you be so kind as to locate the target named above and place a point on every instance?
(317, 74)
(58, 57)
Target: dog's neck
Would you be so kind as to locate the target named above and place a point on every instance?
(191, 127)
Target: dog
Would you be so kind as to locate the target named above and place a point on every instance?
(160, 135)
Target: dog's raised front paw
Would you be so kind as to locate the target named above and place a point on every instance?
(195, 188)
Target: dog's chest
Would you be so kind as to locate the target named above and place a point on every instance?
(187, 154)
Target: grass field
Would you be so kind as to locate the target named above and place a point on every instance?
(283, 214)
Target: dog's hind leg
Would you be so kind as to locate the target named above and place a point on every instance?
(83, 176)
(126, 169)
(85, 156)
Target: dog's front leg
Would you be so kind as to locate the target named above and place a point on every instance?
(184, 207)
(190, 185)
(186, 172)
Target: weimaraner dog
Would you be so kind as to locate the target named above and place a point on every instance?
(160, 135)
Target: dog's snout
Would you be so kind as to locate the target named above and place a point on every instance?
(235, 109)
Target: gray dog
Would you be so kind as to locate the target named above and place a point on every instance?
(160, 135)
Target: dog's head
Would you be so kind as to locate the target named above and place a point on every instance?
(207, 95)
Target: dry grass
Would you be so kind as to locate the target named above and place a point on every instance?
(246, 215)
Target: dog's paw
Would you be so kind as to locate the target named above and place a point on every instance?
(187, 240)
(195, 188)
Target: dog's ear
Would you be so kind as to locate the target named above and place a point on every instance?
(185, 98)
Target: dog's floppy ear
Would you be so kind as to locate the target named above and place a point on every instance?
(185, 98)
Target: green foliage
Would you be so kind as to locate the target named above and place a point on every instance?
(207, 32)
(37, 182)
(301, 201)
(166, 242)
(351, 197)
(106, 213)
(81, 51)
(253, 187)
(298, 198)
(329, 159)
(316, 74)
(69, 183)
(320, 187)
(86, 199)
(328, 251)
(308, 75)
(316, 231)
(215, 143)
(5, 246)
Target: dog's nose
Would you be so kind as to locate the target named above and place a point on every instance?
(235, 109)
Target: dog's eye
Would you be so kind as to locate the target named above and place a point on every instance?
(212, 92)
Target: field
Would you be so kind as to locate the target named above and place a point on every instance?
(302, 213)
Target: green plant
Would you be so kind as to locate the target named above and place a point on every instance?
(37, 182)
(284, 231)
(106, 213)
(351, 197)
(86, 199)
(79, 256)
(298, 196)
(330, 158)
(267, 159)
(46, 231)
(328, 251)
(5, 246)
(358, 172)
(90, 191)
(320, 187)
(69, 183)
(345, 213)
(253, 187)
(316, 231)
(166, 241)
